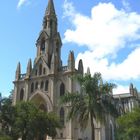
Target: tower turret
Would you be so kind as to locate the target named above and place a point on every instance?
(131, 89)
(71, 61)
(18, 72)
(29, 68)
(88, 71)
(80, 67)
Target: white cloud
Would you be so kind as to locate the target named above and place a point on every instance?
(68, 9)
(127, 70)
(106, 30)
(105, 33)
(121, 89)
(21, 2)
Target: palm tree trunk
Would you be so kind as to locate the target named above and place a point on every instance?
(92, 127)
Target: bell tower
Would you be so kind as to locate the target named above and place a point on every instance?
(49, 41)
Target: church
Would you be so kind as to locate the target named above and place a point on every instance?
(46, 80)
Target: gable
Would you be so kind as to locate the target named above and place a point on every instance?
(40, 68)
(43, 35)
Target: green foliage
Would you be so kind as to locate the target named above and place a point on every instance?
(129, 125)
(93, 101)
(7, 114)
(27, 121)
(5, 138)
(32, 122)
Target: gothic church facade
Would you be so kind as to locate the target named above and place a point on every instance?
(46, 80)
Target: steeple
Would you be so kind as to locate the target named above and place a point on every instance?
(50, 19)
(50, 8)
(49, 41)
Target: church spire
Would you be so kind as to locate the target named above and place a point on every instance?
(50, 19)
(50, 8)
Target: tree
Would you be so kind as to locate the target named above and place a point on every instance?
(92, 102)
(5, 138)
(7, 114)
(31, 122)
(26, 120)
(129, 125)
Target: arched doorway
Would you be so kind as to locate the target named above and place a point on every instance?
(42, 100)
(44, 103)
(43, 107)
(21, 95)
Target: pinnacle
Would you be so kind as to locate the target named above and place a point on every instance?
(50, 8)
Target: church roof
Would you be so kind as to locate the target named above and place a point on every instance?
(122, 95)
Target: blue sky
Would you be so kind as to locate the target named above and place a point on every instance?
(104, 33)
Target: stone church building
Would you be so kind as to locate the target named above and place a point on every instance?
(46, 80)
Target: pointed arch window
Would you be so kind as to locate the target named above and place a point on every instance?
(46, 85)
(32, 87)
(21, 94)
(36, 72)
(44, 70)
(40, 69)
(50, 24)
(42, 84)
(36, 85)
(42, 46)
(62, 116)
(62, 89)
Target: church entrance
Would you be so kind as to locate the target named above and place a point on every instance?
(40, 102)
(43, 104)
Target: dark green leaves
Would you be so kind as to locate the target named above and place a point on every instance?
(129, 125)
(27, 121)
(94, 99)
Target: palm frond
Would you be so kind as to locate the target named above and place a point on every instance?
(94, 99)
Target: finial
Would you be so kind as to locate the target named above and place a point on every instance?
(29, 68)
(71, 61)
(131, 89)
(88, 71)
(18, 71)
(80, 67)
(71, 56)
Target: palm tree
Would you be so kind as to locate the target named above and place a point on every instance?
(92, 102)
